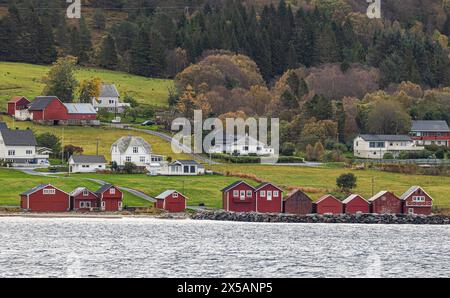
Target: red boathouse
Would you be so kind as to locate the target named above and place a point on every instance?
(110, 198)
(356, 204)
(83, 199)
(171, 201)
(45, 198)
(238, 197)
(297, 202)
(385, 202)
(417, 201)
(329, 204)
(268, 198)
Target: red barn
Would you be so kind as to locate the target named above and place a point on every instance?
(417, 201)
(356, 204)
(48, 108)
(268, 198)
(385, 202)
(83, 199)
(238, 197)
(329, 204)
(171, 201)
(297, 202)
(110, 198)
(17, 103)
(45, 198)
(81, 111)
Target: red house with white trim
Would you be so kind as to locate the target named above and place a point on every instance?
(17, 103)
(356, 204)
(238, 197)
(268, 198)
(328, 204)
(109, 198)
(48, 108)
(45, 198)
(385, 202)
(82, 199)
(171, 201)
(417, 201)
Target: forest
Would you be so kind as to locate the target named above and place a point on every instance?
(321, 66)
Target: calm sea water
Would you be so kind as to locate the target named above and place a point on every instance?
(185, 248)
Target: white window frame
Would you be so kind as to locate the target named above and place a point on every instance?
(249, 193)
(276, 193)
(103, 205)
(49, 191)
(135, 150)
(112, 191)
(11, 152)
(85, 193)
(142, 159)
(262, 193)
(175, 195)
(128, 158)
(242, 194)
(235, 193)
(269, 195)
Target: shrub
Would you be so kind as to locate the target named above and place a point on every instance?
(388, 155)
(288, 149)
(346, 182)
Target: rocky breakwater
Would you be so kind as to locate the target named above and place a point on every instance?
(327, 218)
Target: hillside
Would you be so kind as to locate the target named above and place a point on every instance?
(26, 79)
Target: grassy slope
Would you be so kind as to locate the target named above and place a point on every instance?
(18, 182)
(85, 137)
(26, 79)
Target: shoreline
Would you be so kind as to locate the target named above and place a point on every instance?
(92, 216)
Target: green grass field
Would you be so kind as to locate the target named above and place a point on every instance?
(26, 80)
(14, 182)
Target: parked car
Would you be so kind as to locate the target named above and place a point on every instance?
(148, 123)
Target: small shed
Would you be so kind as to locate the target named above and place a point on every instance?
(171, 201)
(356, 204)
(329, 204)
(17, 103)
(110, 198)
(268, 198)
(45, 198)
(83, 199)
(385, 202)
(239, 197)
(417, 201)
(297, 202)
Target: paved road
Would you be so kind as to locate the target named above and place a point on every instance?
(168, 138)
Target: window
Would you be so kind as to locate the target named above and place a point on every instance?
(81, 204)
(235, 193)
(115, 148)
(410, 210)
(112, 191)
(175, 195)
(128, 159)
(249, 193)
(11, 152)
(192, 169)
(275, 193)
(258, 148)
(418, 199)
(242, 194)
(49, 191)
(135, 150)
(262, 193)
(120, 206)
(111, 101)
(269, 195)
(186, 169)
(142, 159)
(29, 152)
(85, 193)
(245, 148)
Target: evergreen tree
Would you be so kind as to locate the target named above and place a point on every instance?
(157, 56)
(107, 56)
(85, 43)
(140, 55)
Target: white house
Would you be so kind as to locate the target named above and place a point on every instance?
(181, 168)
(376, 146)
(19, 148)
(109, 99)
(134, 149)
(242, 145)
(86, 163)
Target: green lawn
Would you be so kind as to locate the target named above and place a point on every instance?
(12, 183)
(26, 80)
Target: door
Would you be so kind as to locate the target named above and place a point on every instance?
(269, 195)
(103, 205)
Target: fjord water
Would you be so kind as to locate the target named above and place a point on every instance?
(32, 247)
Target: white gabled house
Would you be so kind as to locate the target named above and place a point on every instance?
(86, 163)
(109, 99)
(242, 145)
(376, 146)
(19, 148)
(181, 168)
(134, 149)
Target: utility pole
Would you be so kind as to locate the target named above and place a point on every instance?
(62, 147)
(373, 180)
(97, 145)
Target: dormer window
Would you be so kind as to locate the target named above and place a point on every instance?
(112, 191)
(135, 150)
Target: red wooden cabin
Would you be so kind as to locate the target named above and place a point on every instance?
(268, 198)
(110, 198)
(297, 202)
(417, 201)
(385, 202)
(45, 198)
(238, 197)
(83, 199)
(171, 201)
(329, 204)
(17, 103)
(356, 204)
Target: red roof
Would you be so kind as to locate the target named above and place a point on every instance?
(17, 98)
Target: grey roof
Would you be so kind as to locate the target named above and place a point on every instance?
(80, 108)
(351, 197)
(380, 194)
(41, 102)
(165, 194)
(88, 158)
(109, 90)
(34, 189)
(131, 141)
(15, 137)
(266, 183)
(411, 190)
(381, 138)
(185, 162)
(430, 125)
(103, 188)
(79, 190)
(292, 193)
(3, 125)
(325, 197)
(235, 184)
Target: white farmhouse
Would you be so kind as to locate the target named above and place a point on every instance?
(109, 99)
(86, 163)
(242, 145)
(181, 168)
(19, 148)
(133, 149)
(376, 146)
